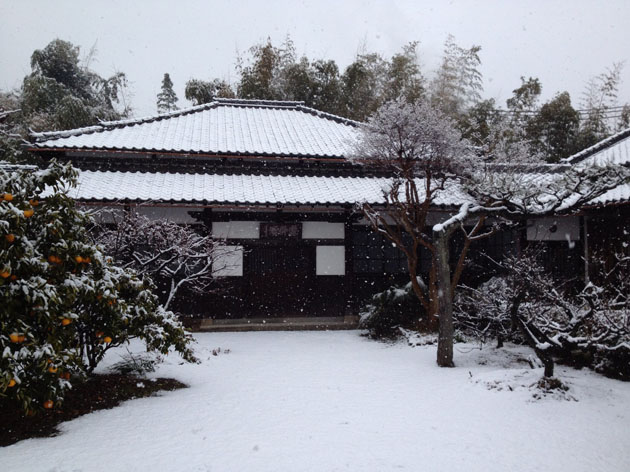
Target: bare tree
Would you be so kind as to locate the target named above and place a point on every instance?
(423, 151)
(166, 251)
(432, 164)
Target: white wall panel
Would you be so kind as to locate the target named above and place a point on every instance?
(554, 229)
(236, 229)
(229, 262)
(330, 260)
(322, 230)
(175, 214)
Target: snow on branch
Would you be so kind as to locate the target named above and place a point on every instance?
(169, 252)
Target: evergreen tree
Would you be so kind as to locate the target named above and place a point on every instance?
(326, 93)
(271, 72)
(363, 86)
(63, 303)
(166, 99)
(404, 78)
(261, 75)
(200, 91)
(553, 131)
(525, 97)
(61, 93)
(479, 121)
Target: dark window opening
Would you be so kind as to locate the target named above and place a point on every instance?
(373, 253)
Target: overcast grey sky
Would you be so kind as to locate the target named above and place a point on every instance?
(562, 42)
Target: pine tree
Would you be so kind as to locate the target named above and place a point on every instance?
(166, 99)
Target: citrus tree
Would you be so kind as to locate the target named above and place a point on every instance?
(64, 305)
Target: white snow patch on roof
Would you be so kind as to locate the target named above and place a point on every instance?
(242, 188)
(249, 127)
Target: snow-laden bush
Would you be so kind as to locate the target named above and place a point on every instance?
(136, 364)
(484, 312)
(63, 304)
(390, 310)
(589, 328)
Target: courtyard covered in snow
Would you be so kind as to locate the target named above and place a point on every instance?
(336, 401)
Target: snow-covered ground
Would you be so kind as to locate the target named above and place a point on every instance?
(334, 401)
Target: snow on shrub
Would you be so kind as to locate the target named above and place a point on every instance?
(592, 327)
(484, 312)
(390, 310)
(63, 304)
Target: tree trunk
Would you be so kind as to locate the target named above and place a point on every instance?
(547, 361)
(545, 356)
(434, 305)
(445, 301)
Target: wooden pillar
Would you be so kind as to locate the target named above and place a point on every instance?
(586, 249)
(350, 308)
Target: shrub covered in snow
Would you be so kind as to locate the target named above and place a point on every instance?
(592, 327)
(390, 310)
(63, 304)
(484, 312)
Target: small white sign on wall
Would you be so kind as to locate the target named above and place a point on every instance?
(228, 262)
(330, 260)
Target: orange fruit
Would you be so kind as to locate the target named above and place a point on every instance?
(107, 339)
(52, 369)
(79, 259)
(5, 274)
(14, 337)
(48, 404)
(21, 338)
(33, 202)
(65, 375)
(28, 213)
(66, 321)
(87, 260)
(14, 277)
(8, 197)
(10, 237)
(99, 334)
(12, 383)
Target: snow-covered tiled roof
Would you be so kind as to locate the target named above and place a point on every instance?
(616, 195)
(240, 189)
(224, 127)
(612, 150)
